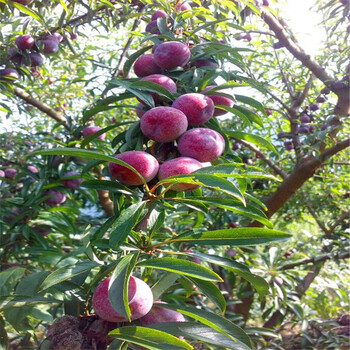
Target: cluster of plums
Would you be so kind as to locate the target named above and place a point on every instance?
(140, 300)
(180, 122)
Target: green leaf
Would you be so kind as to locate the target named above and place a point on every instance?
(20, 302)
(203, 333)
(118, 285)
(106, 185)
(235, 237)
(4, 341)
(125, 222)
(181, 267)
(261, 286)
(251, 102)
(29, 12)
(152, 87)
(132, 58)
(163, 284)
(212, 320)
(253, 117)
(9, 277)
(211, 291)
(66, 273)
(149, 338)
(82, 153)
(257, 140)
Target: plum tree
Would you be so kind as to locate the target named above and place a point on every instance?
(24, 42)
(32, 169)
(159, 314)
(202, 144)
(89, 130)
(171, 54)
(198, 108)
(8, 74)
(139, 296)
(50, 45)
(179, 166)
(158, 14)
(163, 124)
(143, 162)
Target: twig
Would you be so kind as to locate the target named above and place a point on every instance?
(262, 156)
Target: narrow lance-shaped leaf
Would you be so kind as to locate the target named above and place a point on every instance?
(149, 338)
(124, 224)
(118, 285)
(182, 267)
(235, 237)
(212, 320)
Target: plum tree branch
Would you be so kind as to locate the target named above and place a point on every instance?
(41, 106)
(262, 156)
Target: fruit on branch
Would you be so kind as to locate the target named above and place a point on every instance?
(236, 146)
(325, 91)
(32, 169)
(231, 253)
(2, 173)
(140, 300)
(161, 80)
(164, 151)
(57, 36)
(198, 108)
(73, 36)
(158, 314)
(145, 65)
(338, 85)
(35, 59)
(324, 127)
(288, 145)
(205, 63)
(171, 54)
(152, 28)
(50, 45)
(143, 162)
(56, 197)
(218, 100)
(313, 107)
(304, 118)
(265, 3)
(268, 112)
(232, 224)
(88, 130)
(10, 173)
(179, 7)
(14, 56)
(158, 14)
(303, 129)
(163, 124)
(179, 166)
(248, 37)
(311, 128)
(320, 99)
(72, 184)
(24, 42)
(202, 144)
(8, 75)
(140, 109)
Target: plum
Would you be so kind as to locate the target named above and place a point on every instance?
(320, 99)
(288, 145)
(182, 6)
(304, 118)
(161, 80)
(139, 296)
(163, 124)
(24, 42)
(158, 314)
(303, 129)
(205, 63)
(50, 45)
(158, 14)
(278, 45)
(88, 130)
(35, 59)
(56, 197)
(8, 75)
(218, 100)
(72, 184)
(325, 91)
(140, 109)
(179, 166)
(314, 107)
(143, 162)
(171, 54)
(10, 173)
(2, 173)
(198, 108)
(145, 65)
(32, 169)
(202, 144)
(152, 28)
